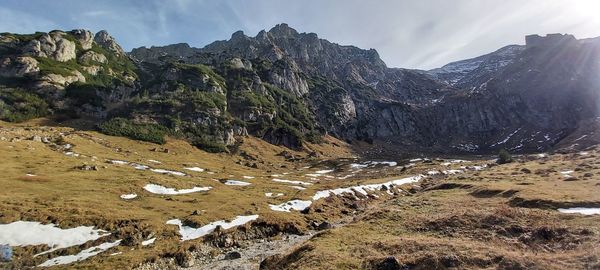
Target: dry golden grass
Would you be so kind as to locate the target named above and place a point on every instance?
(473, 224)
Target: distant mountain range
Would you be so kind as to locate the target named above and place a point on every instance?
(288, 87)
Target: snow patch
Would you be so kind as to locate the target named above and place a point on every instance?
(163, 171)
(84, 254)
(190, 233)
(236, 183)
(292, 182)
(297, 205)
(580, 210)
(28, 233)
(158, 189)
(362, 189)
(129, 196)
(148, 242)
(194, 169)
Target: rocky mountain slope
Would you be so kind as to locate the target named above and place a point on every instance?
(288, 87)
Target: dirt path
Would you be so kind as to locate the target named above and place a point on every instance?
(252, 255)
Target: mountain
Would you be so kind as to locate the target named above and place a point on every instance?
(467, 72)
(288, 87)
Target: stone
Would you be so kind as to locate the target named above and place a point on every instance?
(234, 255)
(90, 57)
(184, 259)
(324, 226)
(52, 45)
(388, 263)
(85, 38)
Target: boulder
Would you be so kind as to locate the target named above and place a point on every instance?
(19, 66)
(234, 255)
(91, 57)
(85, 38)
(53, 45)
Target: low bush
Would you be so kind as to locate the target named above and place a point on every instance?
(17, 105)
(504, 157)
(127, 128)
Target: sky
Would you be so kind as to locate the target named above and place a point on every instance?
(420, 34)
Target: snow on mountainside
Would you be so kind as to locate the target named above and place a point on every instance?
(466, 72)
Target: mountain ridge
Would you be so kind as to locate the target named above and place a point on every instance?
(287, 87)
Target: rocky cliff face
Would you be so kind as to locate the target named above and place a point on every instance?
(288, 87)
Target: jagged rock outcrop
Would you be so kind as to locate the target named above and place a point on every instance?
(19, 67)
(53, 45)
(85, 38)
(106, 41)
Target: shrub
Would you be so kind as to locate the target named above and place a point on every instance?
(17, 105)
(210, 146)
(504, 157)
(127, 128)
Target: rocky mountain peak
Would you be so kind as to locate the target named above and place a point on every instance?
(238, 35)
(106, 41)
(283, 31)
(550, 40)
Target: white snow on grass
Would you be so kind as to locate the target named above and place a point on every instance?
(292, 182)
(118, 162)
(158, 189)
(297, 187)
(580, 210)
(163, 171)
(358, 165)
(451, 172)
(148, 242)
(415, 160)
(372, 163)
(313, 175)
(433, 172)
(129, 196)
(154, 161)
(30, 175)
(324, 171)
(297, 205)
(248, 177)
(271, 194)
(567, 174)
(84, 254)
(27, 233)
(194, 169)
(139, 166)
(236, 183)
(189, 233)
(363, 189)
